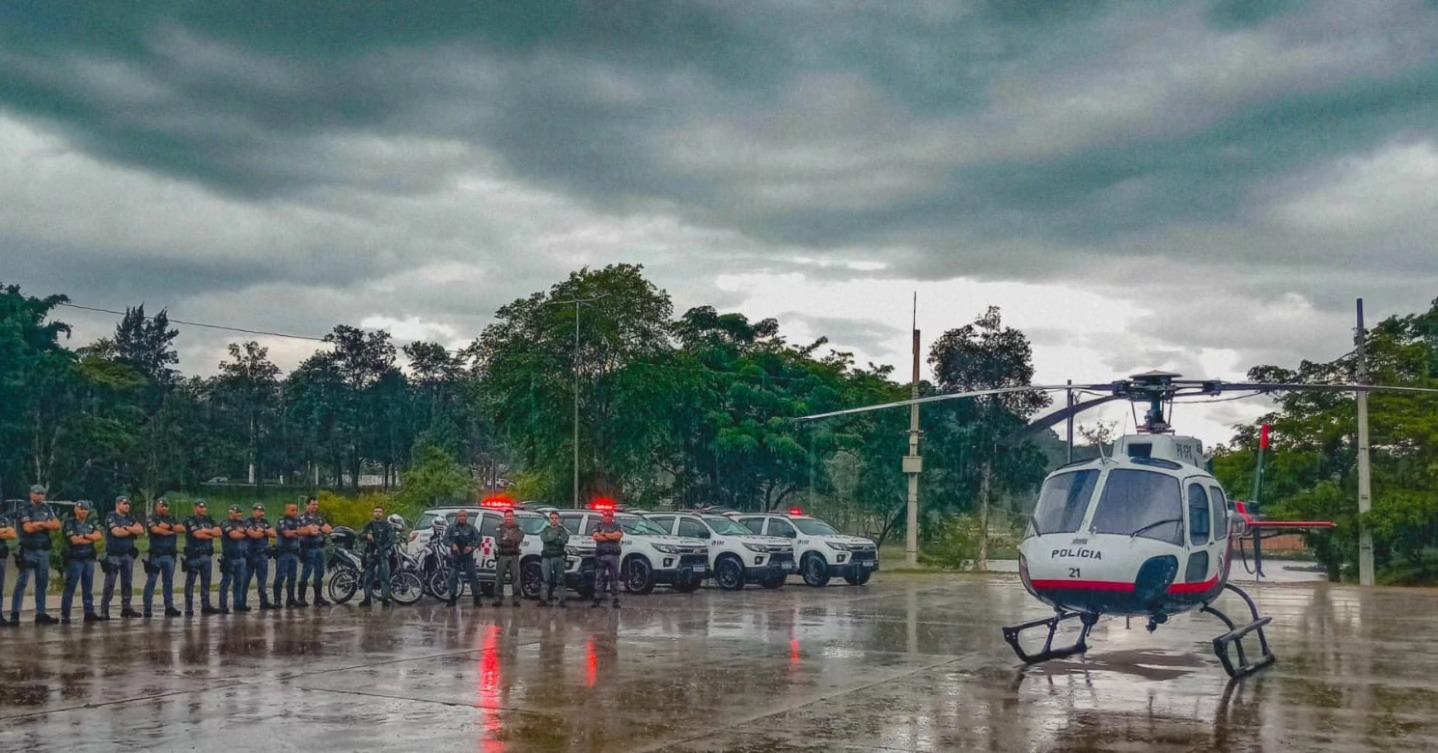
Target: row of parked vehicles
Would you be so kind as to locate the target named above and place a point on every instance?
(679, 550)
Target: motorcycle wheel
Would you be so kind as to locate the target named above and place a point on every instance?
(405, 587)
(344, 582)
(438, 584)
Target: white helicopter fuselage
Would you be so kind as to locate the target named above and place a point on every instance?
(1145, 532)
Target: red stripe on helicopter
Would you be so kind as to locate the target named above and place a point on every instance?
(1119, 586)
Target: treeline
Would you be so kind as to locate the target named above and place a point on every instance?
(685, 409)
(1312, 470)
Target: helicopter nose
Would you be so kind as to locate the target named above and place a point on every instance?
(1155, 577)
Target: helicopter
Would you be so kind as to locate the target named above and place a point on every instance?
(1145, 532)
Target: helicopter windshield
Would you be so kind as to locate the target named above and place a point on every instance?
(1140, 503)
(1063, 502)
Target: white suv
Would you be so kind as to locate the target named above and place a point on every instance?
(579, 562)
(823, 552)
(650, 555)
(736, 555)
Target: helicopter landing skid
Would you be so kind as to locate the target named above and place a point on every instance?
(1234, 639)
(1011, 635)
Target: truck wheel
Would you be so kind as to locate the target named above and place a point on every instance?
(729, 572)
(860, 579)
(816, 571)
(531, 579)
(638, 576)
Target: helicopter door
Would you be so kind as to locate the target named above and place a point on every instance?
(1199, 521)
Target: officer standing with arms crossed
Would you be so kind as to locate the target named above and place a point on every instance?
(381, 537)
(121, 530)
(234, 555)
(35, 524)
(463, 539)
(312, 550)
(260, 533)
(507, 543)
(80, 534)
(555, 538)
(200, 535)
(164, 545)
(7, 534)
(607, 536)
(287, 555)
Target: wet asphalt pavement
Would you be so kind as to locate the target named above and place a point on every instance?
(908, 662)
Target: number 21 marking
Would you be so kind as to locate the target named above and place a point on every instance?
(1073, 572)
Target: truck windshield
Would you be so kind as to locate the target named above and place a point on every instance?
(531, 524)
(1063, 502)
(1140, 503)
(814, 527)
(640, 527)
(726, 527)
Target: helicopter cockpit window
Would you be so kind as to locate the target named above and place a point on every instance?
(1140, 503)
(1063, 502)
(1220, 512)
(1198, 515)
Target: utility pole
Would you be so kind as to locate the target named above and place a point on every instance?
(1365, 480)
(913, 462)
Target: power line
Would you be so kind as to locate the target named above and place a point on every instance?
(202, 324)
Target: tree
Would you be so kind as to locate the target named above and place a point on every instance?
(978, 356)
(247, 391)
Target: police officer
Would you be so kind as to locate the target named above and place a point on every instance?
(607, 536)
(555, 538)
(121, 531)
(379, 533)
(463, 539)
(35, 524)
(260, 533)
(164, 545)
(81, 535)
(7, 534)
(312, 551)
(200, 535)
(287, 555)
(234, 556)
(507, 544)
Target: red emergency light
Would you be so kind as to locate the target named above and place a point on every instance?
(497, 503)
(603, 504)
(1263, 437)
(795, 511)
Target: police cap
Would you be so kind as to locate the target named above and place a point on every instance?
(84, 504)
(234, 508)
(38, 489)
(121, 498)
(258, 506)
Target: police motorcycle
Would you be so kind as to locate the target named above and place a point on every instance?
(347, 566)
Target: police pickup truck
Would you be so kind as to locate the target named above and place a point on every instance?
(736, 554)
(650, 556)
(487, 517)
(823, 552)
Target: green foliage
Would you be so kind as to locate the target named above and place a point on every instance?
(435, 479)
(957, 544)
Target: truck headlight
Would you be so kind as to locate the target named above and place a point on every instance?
(571, 551)
(756, 547)
(667, 548)
(838, 547)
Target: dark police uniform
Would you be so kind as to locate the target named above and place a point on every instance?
(606, 561)
(163, 550)
(552, 560)
(462, 537)
(34, 559)
(287, 560)
(506, 560)
(79, 568)
(120, 561)
(234, 565)
(258, 560)
(312, 555)
(198, 563)
(4, 555)
(377, 563)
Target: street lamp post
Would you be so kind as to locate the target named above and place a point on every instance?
(576, 302)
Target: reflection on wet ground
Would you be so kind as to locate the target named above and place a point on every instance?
(906, 663)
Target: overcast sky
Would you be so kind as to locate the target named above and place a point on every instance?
(1198, 186)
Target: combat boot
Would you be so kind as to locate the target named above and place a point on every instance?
(542, 602)
(128, 613)
(45, 619)
(365, 602)
(92, 617)
(320, 600)
(207, 609)
(4, 622)
(616, 603)
(172, 612)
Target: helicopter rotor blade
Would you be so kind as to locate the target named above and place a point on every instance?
(958, 396)
(1262, 387)
(1062, 414)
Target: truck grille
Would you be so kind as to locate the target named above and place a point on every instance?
(865, 555)
(693, 560)
(779, 558)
